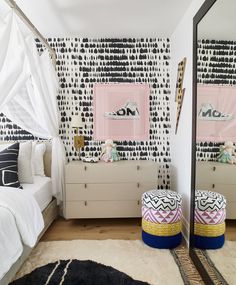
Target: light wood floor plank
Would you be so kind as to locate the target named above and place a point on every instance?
(127, 229)
(230, 230)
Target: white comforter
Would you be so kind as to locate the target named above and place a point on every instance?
(21, 221)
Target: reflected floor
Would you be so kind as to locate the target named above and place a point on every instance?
(230, 233)
(221, 264)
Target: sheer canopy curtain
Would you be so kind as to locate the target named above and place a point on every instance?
(29, 87)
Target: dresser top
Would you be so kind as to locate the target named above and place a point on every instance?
(214, 163)
(118, 163)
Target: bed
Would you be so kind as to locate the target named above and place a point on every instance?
(10, 235)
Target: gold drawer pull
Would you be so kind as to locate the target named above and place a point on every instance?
(138, 167)
(138, 202)
(138, 185)
(85, 185)
(213, 186)
(85, 203)
(214, 168)
(85, 168)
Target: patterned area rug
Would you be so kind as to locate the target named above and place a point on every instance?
(187, 269)
(133, 258)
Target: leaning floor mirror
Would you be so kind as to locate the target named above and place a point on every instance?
(213, 202)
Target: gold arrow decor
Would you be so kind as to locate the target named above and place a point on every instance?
(179, 95)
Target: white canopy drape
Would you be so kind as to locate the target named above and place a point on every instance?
(29, 86)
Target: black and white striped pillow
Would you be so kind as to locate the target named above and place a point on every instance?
(9, 166)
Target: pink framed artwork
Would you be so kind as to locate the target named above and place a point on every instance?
(216, 113)
(121, 111)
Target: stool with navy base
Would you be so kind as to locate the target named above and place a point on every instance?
(209, 220)
(161, 218)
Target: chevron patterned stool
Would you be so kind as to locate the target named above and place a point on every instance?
(161, 218)
(210, 214)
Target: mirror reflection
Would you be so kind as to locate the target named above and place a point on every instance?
(215, 202)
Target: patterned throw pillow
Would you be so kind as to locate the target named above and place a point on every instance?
(9, 166)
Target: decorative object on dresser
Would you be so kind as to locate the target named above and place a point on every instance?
(77, 123)
(90, 159)
(220, 178)
(108, 190)
(227, 153)
(109, 152)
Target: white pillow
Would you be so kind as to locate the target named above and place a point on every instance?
(25, 171)
(38, 153)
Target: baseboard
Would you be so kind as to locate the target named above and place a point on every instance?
(185, 230)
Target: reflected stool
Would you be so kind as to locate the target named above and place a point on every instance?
(209, 220)
(161, 218)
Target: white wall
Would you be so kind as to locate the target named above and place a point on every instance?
(103, 18)
(182, 46)
(220, 22)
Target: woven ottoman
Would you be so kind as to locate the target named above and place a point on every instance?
(209, 220)
(161, 218)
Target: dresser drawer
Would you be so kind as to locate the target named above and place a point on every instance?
(119, 191)
(101, 172)
(215, 172)
(102, 209)
(228, 190)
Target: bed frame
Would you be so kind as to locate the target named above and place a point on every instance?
(49, 215)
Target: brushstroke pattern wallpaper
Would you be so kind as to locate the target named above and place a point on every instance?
(82, 62)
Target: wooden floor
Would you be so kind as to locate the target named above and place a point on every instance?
(126, 229)
(230, 230)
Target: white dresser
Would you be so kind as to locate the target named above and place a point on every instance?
(107, 190)
(221, 178)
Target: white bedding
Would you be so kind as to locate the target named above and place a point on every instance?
(41, 189)
(20, 220)
(10, 241)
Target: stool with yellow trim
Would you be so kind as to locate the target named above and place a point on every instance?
(161, 218)
(209, 226)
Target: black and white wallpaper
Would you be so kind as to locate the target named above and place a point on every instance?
(81, 62)
(216, 65)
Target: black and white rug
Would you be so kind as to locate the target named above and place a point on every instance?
(76, 272)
